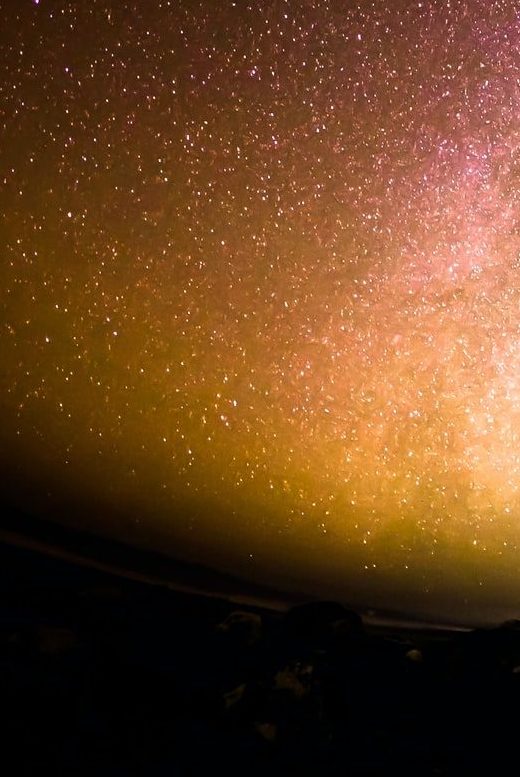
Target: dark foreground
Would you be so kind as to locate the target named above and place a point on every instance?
(105, 676)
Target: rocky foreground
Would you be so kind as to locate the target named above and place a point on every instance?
(103, 676)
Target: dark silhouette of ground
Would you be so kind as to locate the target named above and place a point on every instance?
(103, 675)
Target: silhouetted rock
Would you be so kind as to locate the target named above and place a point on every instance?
(295, 678)
(321, 621)
(414, 655)
(511, 625)
(489, 651)
(243, 628)
(180, 684)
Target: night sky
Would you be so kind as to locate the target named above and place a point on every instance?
(260, 304)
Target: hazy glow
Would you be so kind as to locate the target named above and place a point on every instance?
(261, 294)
